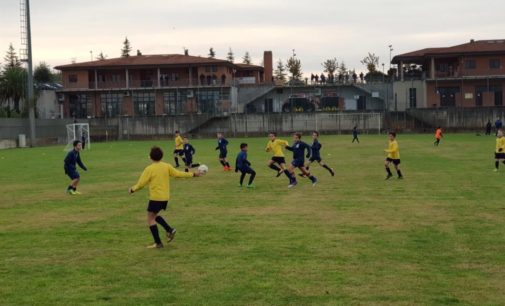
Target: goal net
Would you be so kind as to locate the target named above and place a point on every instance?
(78, 131)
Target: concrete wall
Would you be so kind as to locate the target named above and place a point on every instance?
(469, 119)
(54, 131)
(401, 98)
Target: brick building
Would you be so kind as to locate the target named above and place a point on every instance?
(151, 85)
(466, 75)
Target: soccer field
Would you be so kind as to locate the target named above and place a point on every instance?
(436, 237)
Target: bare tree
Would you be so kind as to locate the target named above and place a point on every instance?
(371, 61)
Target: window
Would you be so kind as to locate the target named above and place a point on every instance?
(174, 102)
(79, 106)
(116, 78)
(72, 78)
(494, 63)
(412, 97)
(111, 104)
(470, 64)
(143, 103)
(207, 101)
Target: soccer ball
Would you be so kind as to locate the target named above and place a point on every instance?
(203, 169)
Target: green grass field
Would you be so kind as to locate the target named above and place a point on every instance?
(437, 237)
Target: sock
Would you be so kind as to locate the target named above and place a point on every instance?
(251, 178)
(186, 170)
(290, 177)
(155, 233)
(399, 173)
(70, 187)
(74, 188)
(242, 176)
(388, 171)
(163, 223)
(222, 163)
(312, 178)
(195, 165)
(496, 164)
(274, 167)
(227, 164)
(327, 168)
(176, 161)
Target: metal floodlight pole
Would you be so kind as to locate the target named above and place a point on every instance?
(31, 100)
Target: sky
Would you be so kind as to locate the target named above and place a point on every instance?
(66, 30)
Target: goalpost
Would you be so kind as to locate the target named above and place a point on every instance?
(78, 131)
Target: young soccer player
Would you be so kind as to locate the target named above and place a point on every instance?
(157, 176)
(188, 151)
(178, 148)
(298, 148)
(73, 157)
(393, 156)
(244, 166)
(315, 154)
(499, 154)
(222, 144)
(355, 134)
(438, 136)
(276, 146)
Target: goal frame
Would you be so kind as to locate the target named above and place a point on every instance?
(75, 131)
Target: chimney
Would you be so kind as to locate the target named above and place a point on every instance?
(268, 66)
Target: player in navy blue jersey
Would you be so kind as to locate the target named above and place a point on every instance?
(315, 154)
(222, 144)
(71, 161)
(298, 148)
(244, 166)
(188, 151)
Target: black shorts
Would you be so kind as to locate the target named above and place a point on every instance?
(156, 206)
(395, 162)
(317, 159)
(223, 154)
(279, 160)
(298, 163)
(179, 152)
(72, 173)
(188, 161)
(499, 155)
(246, 170)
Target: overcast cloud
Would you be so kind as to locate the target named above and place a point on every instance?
(317, 29)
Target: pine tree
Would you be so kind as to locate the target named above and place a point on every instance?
(125, 52)
(212, 53)
(280, 72)
(11, 58)
(230, 57)
(294, 66)
(247, 58)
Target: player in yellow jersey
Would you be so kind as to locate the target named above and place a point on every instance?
(393, 156)
(179, 150)
(499, 153)
(278, 161)
(157, 176)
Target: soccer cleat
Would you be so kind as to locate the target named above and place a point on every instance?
(251, 186)
(77, 192)
(240, 185)
(495, 170)
(72, 192)
(171, 235)
(292, 184)
(314, 182)
(155, 246)
(332, 172)
(389, 176)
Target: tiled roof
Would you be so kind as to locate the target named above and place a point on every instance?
(146, 60)
(472, 47)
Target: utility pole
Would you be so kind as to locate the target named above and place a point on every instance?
(26, 40)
